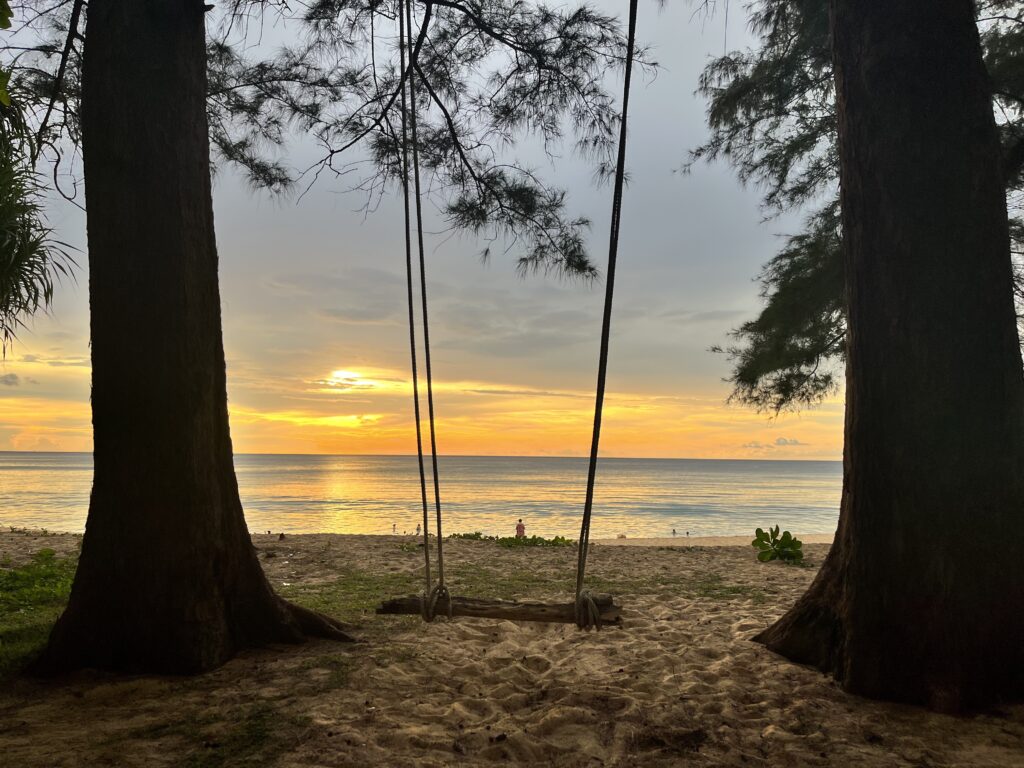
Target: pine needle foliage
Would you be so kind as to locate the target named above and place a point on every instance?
(487, 75)
(771, 113)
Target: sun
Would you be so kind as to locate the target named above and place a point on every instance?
(345, 377)
(348, 380)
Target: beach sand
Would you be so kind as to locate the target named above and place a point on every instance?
(706, 541)
(680, 683)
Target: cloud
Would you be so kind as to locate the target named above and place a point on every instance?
(353, 295)
(687, 317)
(62, 336)
(779, 442)
(368, 314)
(14, 380)
(34, 443)
(523, 393)
(784, 441)
(57, 361)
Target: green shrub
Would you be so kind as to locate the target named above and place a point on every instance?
(512, 542)
(786, 547)
(475, 536)
(533, 541)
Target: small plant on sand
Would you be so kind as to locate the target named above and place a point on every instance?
(474, 536)
(513, 542)
(534, 541)
(786, 547)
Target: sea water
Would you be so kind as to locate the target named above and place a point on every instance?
(375, 494)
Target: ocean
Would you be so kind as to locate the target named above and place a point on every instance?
(370, 494)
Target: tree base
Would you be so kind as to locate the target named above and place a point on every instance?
(953, 667)
(76, 644)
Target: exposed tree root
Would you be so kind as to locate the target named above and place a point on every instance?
(810, 632)
(315, 624)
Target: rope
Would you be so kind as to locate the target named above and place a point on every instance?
(412, 316)
(409, 115)
(423, 302)
(585, 607)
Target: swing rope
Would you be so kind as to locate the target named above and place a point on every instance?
(411, 302)
(432, 594)
(587, 614)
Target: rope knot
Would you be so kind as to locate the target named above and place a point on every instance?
(429, 602)
(588, 615)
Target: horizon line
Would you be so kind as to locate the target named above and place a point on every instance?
(476, 456)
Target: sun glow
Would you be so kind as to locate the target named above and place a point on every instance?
(344, 380)
(368, 410)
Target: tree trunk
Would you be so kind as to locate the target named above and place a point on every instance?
(922, 597)
(168, 579)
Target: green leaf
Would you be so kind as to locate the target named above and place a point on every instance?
(5, 77)
(787, 537)
(6, 14)
(766, 555)
(775, 532)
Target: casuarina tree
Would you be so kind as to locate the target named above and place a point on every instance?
(168, 578)
(919, 598)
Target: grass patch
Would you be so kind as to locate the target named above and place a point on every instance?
(513, 584)
(714, 587)
(482, 581)
(31, 599)
(353, 594)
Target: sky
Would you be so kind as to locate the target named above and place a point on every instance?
(313, 299)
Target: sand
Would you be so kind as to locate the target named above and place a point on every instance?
(706, 541)
(680, 683)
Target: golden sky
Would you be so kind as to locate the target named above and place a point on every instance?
(44, 406)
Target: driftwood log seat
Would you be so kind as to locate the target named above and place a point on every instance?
(503, 609)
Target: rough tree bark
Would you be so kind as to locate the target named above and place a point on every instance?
(168, 579)
(922, 597)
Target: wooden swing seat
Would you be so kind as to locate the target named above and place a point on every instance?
(512, 610)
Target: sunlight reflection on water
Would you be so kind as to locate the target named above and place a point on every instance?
(367, 494)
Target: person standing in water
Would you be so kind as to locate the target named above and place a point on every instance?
(417, 529)
(520, 529)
